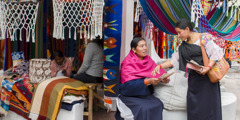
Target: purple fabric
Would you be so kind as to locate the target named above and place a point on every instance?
(134, 68)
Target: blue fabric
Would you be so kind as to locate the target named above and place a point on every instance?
(113, 31)
(134, 88)
(143, 107)
(68, 106)
(137, 97)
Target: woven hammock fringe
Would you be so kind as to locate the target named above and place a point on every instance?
(13, 17)
(84, 16)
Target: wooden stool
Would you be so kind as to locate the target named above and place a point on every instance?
(91, 95)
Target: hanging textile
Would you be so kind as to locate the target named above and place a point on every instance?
(18, 16)
(164, 14)
(85, 15)
(112, 46)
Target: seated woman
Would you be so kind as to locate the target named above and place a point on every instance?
(136, 85)
(61, 66)
(91, 70)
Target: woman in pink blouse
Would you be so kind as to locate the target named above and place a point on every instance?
(61, 66)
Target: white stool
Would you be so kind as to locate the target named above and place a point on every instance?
(75, 114)
(229, 104)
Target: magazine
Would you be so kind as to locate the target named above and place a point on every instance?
(194, 65)
(165, 75)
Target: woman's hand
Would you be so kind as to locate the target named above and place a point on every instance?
(204, 70)
(153, 81)
(156, 70)
(165, 80)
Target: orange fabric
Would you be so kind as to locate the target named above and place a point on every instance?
(146, 81)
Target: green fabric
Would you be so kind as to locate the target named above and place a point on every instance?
(170, 20)
(214, 18)
(178, 9)
(39, 36)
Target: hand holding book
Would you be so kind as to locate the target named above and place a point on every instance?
(199, 68)
(165, 77)
(194, 65)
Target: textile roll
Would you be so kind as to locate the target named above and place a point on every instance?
(39, 70)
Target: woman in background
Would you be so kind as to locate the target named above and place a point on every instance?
(91, 70)
(61, 66)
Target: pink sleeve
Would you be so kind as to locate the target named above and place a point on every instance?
(53, 69)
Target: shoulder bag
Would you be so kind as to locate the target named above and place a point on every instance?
(218, 70)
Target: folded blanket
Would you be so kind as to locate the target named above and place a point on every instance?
(48, 96)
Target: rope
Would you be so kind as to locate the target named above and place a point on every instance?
(83, 15)
(18, 16)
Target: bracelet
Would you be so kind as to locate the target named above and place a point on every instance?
(210, 67)
(160, 66)
(146, 81)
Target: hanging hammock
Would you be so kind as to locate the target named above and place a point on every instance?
(165, 13)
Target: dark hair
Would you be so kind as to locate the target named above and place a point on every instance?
(183, 24)
(134, 42)
(98, 41)
(58, 53)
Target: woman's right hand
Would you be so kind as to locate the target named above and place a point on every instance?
(156, 70)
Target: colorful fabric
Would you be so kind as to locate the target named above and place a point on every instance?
(23, 67)
(21, 96)
(48, 95)
(6, 90)
(164, 14)
(17, 57)
(39, 70)
(134, 68)
(112, 49)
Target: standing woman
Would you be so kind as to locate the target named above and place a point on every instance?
(203, 97)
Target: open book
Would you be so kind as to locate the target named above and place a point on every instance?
(194, 65)
(165, 75)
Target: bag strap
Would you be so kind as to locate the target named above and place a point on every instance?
(204, 53)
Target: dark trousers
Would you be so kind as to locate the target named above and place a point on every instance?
(83, 77)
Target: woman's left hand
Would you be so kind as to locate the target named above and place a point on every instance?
(204, 70)
(166, 80)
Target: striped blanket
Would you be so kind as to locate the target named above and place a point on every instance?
(47, 97)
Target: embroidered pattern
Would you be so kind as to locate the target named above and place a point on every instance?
(39, 70)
